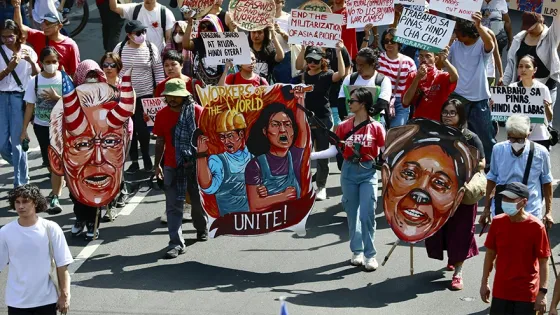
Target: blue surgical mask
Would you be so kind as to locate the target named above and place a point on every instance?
(510, 208)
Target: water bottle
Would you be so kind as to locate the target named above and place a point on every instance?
(25, 145)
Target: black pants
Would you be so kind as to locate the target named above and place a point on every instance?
(111, 25)
(40, 310)
(505, 307)
(85, 213)
(42, 134)
(141, 134)
(320, 138)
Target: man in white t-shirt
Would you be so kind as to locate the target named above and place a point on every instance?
(149, 14)
(24, 244)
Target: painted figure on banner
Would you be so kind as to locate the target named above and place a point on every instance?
(253, 159)
(426, 167)
(89, 138)
(530, 5)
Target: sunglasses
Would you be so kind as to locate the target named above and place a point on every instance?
(110, 65)
(389, 41)
(140, 33)
(351, 101)
(311, 60)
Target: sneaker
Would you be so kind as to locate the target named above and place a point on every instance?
(54, 206)
(110, 215)
(50, 196)
(78, 228)
(371, 264)
(163, 218)
(321, 193)
(175, 252)
(133, 168)
(457, 283)
(202, 236)
(450, 267)
(121, 200)
(89, 234)
(187, 216)
(357, 260)
(148, 166)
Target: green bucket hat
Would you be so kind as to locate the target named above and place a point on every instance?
(176, 87)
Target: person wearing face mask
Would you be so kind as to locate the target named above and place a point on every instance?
(520, 160)
(41, 95)
(176, 43)
(144, 59)
(517, 245)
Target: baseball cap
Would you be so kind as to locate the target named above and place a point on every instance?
(134, 26)
(515, 190)
(176, 87)
(314, 52)
(529, 19)
(50, 17)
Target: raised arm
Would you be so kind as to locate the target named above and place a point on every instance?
(497, 60)
(279, 52)
(116, 7)
(341, 73)
(301, 141)
(483, 32)
(507, 27)
(18, 18)
(188, 43)
(300, 60)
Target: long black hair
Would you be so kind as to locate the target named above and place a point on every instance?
(459, 108)
(266, 44)
(365, 96)
(257, 142)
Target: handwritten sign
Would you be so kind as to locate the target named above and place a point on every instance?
(151, 108)
(508, 100)
(316, 6)
(194, 33)
(252, 15)
(315, 28)
(460, 8)
(375, 12)
(544, 7)
(200, 7)
(221, 47)
(424, 30)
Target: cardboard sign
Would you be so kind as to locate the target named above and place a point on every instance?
(544, 7)
(200, 7)
(510, 100)
(364, 12)
(252, 15)
(316, 6)
(315, 28)
(194, 33)
(221, 47)
(151, 107)
(424, 30)
(241, 197)
(418, 203)
(460, 8)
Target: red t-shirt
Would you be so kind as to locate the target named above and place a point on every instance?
(236, 78)
(348, 35)
(164, 125)
(160, 87)
(518, 247)
(370, 136)
(66, 48)
(436, 89)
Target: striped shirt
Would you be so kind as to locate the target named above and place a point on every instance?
(139, 60)
(390, 68)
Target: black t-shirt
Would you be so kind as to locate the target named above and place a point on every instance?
(332, 60)
(317, 100)
(210, 75)
(474, 140)
(265, 62)
(542, 70)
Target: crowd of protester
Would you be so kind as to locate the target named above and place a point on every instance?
(452, 86)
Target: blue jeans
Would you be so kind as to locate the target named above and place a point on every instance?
(283, 70)
(480, 122)
(11, 123)
(401, 114)
(359, 199)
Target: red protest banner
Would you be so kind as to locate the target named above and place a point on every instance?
(252, 15)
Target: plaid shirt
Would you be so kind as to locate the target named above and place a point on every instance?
(184, 150)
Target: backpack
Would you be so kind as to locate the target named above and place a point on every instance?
(163, 16)
(151, 52)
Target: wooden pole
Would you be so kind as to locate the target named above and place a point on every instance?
(411, 259)
(390, 252)
(96, 223)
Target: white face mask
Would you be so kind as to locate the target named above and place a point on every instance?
(178, 38)
(517, 146)
(92, 80)
(50, 68)
(510, 208)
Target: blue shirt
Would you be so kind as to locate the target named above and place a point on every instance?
(507, 168)
(236, 162)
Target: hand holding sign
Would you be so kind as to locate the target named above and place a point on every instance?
(443, 54)
(477, 18)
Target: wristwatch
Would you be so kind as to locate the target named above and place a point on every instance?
(543, 290)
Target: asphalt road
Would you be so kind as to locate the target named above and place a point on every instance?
(123, 272)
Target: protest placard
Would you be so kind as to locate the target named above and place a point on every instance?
(200, 7)
(151, 107)
(221, 47)
(508, 100)
(424, 30)
(309, 28)
(544, 7)
(460, 8)
(194, 33)
(252, 15)
(412, 2)
(316, 6)
(374, 12)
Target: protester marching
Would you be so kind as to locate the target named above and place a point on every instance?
(249, 105)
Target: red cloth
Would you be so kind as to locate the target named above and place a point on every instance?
(371, 137)
(67, 49)
(518, 246)
(160, 87)
(255, 81)
(348, 35)
(436, 89)
(164, 125)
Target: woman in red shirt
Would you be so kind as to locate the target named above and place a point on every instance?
(363, 137)
(246, 75)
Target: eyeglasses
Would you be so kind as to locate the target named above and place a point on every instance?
(140, 33)
(311, 60)
(350, 101)
(110, 65)
(516, 140)
(389, 41)
(8, 37)
(450, 113)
